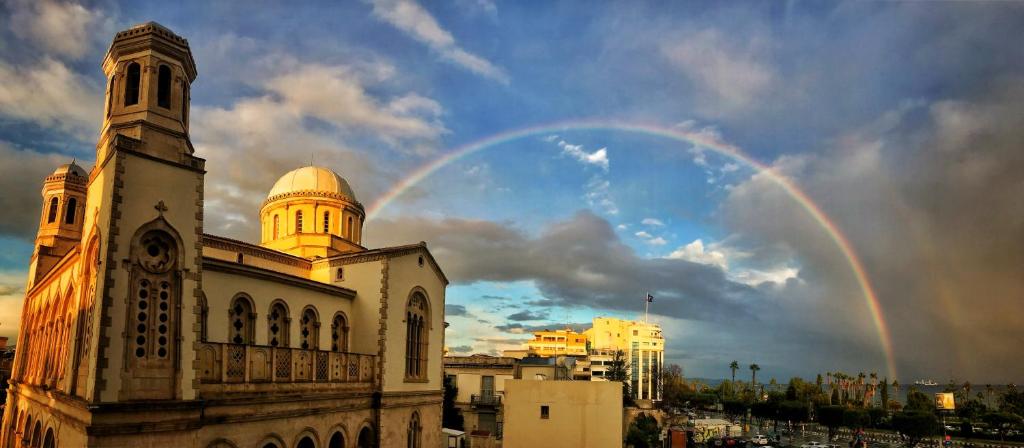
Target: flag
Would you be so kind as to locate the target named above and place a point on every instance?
(650, 298)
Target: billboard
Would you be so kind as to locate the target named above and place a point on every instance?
(944, 401)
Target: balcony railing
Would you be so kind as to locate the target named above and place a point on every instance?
(485, 399)
(222, 363)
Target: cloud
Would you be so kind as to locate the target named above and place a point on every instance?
(12, 295)
(518, 328)
(411, 18)
(310, 110)
(657, 241)
(696, 253)
(63, 28)
(653, 222)
(731, 71)
(643, 234)
(50, 94)
(455, 310)
(21, 177)
(597, 158)
(527, 315)
(461, 349)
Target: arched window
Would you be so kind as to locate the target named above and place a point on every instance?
(110, 95)
(348, 228)
(339, 333)
(413, 434)
(163, 87)
(339, 274)
(417, 320)
(277, 227)
(298, 221)
(69, 211)
(327, 222)
(48, 441)
(310, 329)
(277, 324)
(306, 442)
(156, 297)
(365, 439)
(241, 320)
(131, 85)
(51, 214)
(204, 317)
(337, 440)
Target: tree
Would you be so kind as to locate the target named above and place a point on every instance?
(673, 386)
(835, 397)
(855, 418)
(450, 416)
(753, 372)
(734, 366)
(885, 394)
(643, 432)
(1001, 421)
(619, 371)
(914, 426)
(831, 417)
(918, 401)
(1012, 401)
(734, 408)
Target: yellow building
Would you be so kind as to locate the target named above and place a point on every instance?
(643, 345)
(139, 329)
(557, 343)
(568, 414)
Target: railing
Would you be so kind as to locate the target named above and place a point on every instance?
(485, 399)
(222, 363)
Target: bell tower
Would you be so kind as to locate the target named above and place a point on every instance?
(145, 210)
(60, 226)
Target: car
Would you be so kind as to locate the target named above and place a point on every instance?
(814, 445)
(759, 440)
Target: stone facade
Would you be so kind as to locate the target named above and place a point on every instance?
(139, 329)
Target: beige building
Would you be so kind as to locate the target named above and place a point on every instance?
(480, 381)
(567, 414)
(557, 343)
(643, 345)
(139, 329)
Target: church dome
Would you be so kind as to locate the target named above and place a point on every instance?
(72, 168)
(311, 179)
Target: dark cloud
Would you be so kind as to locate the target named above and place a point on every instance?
(455, 310)
(518, 328)
(460, 349)
(527, 315)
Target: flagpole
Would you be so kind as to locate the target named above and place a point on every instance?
(647, 303)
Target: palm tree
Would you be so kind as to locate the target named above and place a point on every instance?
(753, 378)
(734, 366)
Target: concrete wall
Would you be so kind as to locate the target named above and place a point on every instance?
(580, 414)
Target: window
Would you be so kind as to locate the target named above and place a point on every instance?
(339, 333)
(163, 87)
(298, 221)
(204, 317)
(131, 86)
(155, 295)
(413, 435)
(310, 327)
(277, 227)
(340, 274)
(348, 228)
(327, 222)
(51, 215)
(70, 211)
(277, 324)
(416, 321)
(110, 94)
(241, 320)
(544, 412)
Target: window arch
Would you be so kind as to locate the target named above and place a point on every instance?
(417, 322)
(51, 214)
(131, 86)
(310, 329)
(365, 439)
(277, 324)
(241, 320)
(339, 333)
(348, 229)
(327, 222)
(298, 221)
(339, 274)
(204, 317)
(337, 440)
(69, 211)
(277, 227)
(163, 87)
(414, 433)
(48, 440)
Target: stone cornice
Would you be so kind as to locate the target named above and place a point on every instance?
(213, 264)
(382, 253)
(315, 194)
(232, 245)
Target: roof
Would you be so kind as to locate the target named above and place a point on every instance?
(311, 179)
(70, 168)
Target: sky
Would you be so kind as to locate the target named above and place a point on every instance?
(902, 123)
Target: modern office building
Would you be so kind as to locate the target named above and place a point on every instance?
(643, 345)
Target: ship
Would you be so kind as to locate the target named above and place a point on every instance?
(926, 383)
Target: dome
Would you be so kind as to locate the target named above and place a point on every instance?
(72, 168)
(312, 179)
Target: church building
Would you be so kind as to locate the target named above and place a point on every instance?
(139, 329)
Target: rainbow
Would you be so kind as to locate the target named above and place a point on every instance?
(702, 140)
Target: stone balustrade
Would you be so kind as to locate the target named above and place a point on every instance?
(225, 367)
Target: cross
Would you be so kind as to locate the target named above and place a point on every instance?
(160, 207)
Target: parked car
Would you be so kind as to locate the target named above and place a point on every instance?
(814, 445)
(759, 440)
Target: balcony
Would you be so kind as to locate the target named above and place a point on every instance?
(487, 399)
(233, 368)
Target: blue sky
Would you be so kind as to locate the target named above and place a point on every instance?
(902, 120)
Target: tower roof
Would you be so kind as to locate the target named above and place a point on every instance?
(70, 168)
